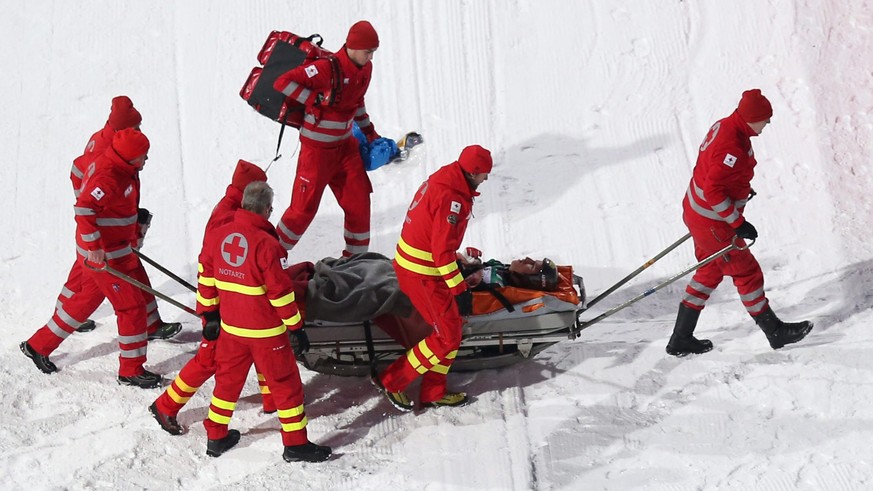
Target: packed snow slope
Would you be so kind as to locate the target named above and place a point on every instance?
(594, 112)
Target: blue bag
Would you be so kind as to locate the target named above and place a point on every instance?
(377, 153)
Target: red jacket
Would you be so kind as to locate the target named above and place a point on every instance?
(244, 274)
(106, 209)
(721, 182)
(328, 126)
(98, 144)
(434, 228)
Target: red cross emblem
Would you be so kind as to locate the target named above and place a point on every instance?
(234, 249)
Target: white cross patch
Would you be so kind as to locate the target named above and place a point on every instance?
(311, 71)
(729, 160)
(455, 207)
(98, 194)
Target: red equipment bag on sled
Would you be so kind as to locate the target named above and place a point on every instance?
(281, 52)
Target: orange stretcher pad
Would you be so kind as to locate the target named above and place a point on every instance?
(485, 303)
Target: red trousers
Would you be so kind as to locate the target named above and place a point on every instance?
(197, 371)
(340, 168)
(740, 265)
(74, 285)
(233, 358)
(94, 286)
(433, 356)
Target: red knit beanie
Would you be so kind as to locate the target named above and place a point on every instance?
(475, 160)
(130, 144)
(362, 36)
(123, 114)
(247, 173)
(754, 107)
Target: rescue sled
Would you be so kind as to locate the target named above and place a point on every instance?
(354, 325)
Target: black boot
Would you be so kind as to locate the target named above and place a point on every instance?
(781, 333)
(145, 380)
(682, 342)
(215, 448)
(42, 362)
(308, 452)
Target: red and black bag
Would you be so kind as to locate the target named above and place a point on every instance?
(281, 52)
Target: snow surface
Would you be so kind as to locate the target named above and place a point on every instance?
(594, 111)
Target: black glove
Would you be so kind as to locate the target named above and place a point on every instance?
(143, 217)
(746, 231)
(465, 303)
(302, 341)
(212, 327)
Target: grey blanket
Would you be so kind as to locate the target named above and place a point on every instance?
(355, 289)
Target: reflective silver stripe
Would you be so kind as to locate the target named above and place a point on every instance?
(64, 316)
(302, 97)
(707, 212)
(327, 123)
(133, 353)
(320, 137)
(76, 193)
(352, 235)
(287, 231)
(119, 253)
(116, 222)
(136, 338)
(723, 206)
(66, 292)
(693, 300)
(76, 172)
(356, 249)
(758, 307)
(696, 286)
(152, 318)
(83, 212)
(109, 255)
(91, 237)
(748, 297)
(361, 111)
(151, 306)
(56, 329)
(287, 245)
(741, 203)
(363, 123)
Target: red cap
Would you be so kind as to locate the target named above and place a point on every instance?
(475, 160)
(247, 173)
(362, 36)
(123, 114)
(130, 144)
(754, 107)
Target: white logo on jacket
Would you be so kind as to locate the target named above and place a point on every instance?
(311, 71)
(284, 262)
(98, 194)
(128, 191)
(456, 207)
(729, 160)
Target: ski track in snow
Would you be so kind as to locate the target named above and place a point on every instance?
(594, 112)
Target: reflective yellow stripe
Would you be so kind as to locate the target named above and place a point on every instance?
(206, 280)
(206, 302)
(290, 413)
(200, 268)
(416, 268)
(412, 251)
(222, 420)
(448, 268)
(261, 378)
(283, 301)
(254, 333)
(293, 321)
(237, 288)
(176, 396)
(413, 360)
(265, 390)
(222, 404)
(295, 426)
(440, 369)
(455, 280)
(426, 351)
(452, 355)
(182, 385)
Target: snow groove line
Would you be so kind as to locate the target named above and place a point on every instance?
(517, 439)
